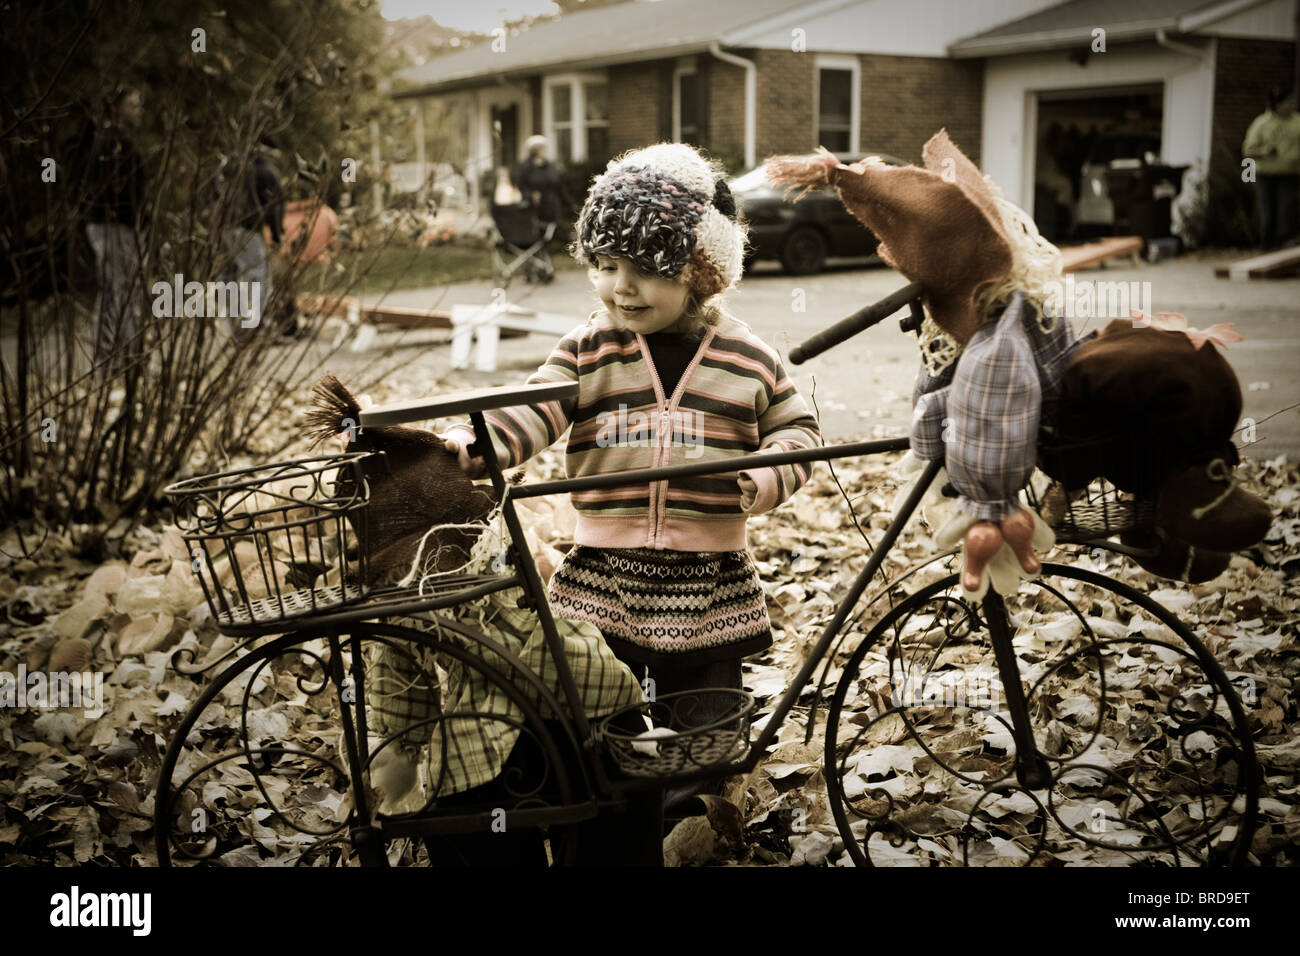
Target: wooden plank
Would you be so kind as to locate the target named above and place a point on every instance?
(514, 318)
(405, 317)
(1277, 264)
(396, 316)
(1074, 258)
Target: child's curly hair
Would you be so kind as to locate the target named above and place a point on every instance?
(701, 314)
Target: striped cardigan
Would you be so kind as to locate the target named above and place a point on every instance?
(734, 398)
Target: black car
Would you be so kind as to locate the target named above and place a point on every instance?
(803, 234)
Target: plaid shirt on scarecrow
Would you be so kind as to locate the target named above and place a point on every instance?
(990, 402)
(472, 725)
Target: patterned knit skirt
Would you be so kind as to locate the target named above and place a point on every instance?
(654, 606)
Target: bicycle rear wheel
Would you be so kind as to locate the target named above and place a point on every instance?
(1150, 756)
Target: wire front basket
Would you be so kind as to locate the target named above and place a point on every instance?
(694, 730)
(271, 543)
(1098, 486)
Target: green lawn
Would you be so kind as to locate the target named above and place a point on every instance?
(403, 267)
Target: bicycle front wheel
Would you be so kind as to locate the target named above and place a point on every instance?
(1150, 756)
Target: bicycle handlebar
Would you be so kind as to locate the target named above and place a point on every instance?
(861, 320)
(621, 479)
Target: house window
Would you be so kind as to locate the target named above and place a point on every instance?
(562, 120)
(595, 95)
(837, 103)
(687, 121)
(575, 116)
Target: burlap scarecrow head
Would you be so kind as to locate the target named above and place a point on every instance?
(938, 224)
(414, 486)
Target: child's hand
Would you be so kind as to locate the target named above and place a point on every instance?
(758, 491)
(748, 491)
(457, 442)
(344, 438)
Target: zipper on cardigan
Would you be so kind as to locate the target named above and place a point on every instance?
(657, 488)
(665, 443)
(667, 406)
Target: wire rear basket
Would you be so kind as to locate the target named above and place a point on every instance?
(695, 730)
(1098, 486)
(270, 543)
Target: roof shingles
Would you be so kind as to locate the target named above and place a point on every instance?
(1079, 18)
(623, 32)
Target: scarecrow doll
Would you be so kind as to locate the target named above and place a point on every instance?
(1002, 368)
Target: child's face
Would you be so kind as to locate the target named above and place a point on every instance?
(639, 302)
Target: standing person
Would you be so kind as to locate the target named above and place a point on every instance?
(1273, 141)
(114, 183)
(260, 202)
(665, 376)
(539, 183)
(538, 180)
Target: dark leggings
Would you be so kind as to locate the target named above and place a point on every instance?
(630, 835)
(1277, 209)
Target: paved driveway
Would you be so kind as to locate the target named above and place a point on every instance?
(863, 387)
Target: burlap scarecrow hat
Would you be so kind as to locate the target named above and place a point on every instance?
(415, 486)
(938, 224)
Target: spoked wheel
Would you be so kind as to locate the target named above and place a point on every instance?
(1144, 745)
(325, 749)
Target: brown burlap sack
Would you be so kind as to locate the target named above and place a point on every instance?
(938, 225)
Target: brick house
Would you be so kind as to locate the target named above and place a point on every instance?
(741, 78)
(749, 78)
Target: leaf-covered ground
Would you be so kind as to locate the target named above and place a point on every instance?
(80, 789)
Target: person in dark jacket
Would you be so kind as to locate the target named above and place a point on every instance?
(114, 185)
(542, 190)
(538, 179)
(260, 202)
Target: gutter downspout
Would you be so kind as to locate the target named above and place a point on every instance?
(751, 99)
(1186, 49)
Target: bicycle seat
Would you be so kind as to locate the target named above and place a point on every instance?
(460, 403)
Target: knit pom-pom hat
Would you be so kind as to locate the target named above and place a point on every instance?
(670, 211)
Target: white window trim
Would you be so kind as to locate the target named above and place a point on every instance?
(854, 66)
(684, 67)
(577, 110)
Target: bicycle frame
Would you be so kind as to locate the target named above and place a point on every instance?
(1031, 769)
(527, 577)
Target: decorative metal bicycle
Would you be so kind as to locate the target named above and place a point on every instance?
(1152, 759)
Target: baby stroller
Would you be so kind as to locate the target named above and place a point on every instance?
(520, 244)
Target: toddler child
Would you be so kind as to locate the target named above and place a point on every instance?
(665, 376)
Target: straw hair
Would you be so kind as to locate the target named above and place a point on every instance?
(1035, 265)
